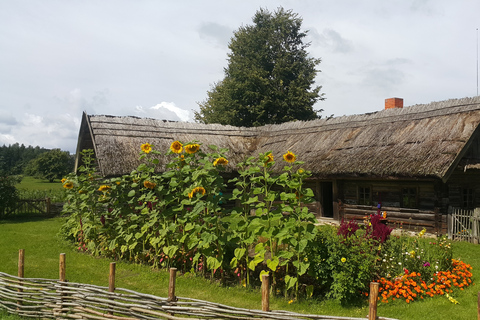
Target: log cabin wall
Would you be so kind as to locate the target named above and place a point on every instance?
(463, 189)
(413, 205)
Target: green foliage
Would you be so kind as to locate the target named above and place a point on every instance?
(51, 165)
(8, 193)
(14, 158)
(269, 77)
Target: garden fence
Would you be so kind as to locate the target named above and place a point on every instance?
(464, 225)
(60, 299)
(38, 206)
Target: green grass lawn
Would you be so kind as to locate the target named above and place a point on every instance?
(42, 249)
(33, 188)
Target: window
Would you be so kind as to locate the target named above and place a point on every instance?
(409, 197)
(364, 196)
(468, 198)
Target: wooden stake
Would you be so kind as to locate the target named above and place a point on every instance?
(21, 269)
(111, 281)
(21, 263)
(478, 306)
(372, 312)
(62, 268)
(265, 293)
(171, 285)
(111, 278)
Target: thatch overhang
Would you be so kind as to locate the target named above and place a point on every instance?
(418, 142)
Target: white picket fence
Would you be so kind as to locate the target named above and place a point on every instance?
(464, 225)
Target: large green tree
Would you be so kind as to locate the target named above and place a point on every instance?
(269, 78)
(51, 165)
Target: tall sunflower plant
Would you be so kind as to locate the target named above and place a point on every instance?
(272, 221)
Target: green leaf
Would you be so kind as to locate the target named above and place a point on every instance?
(239, 253)
(233, 263)
(131, 193)
(309, 291)
(273, 264)
(262, 273)
(290, 282)
(213, 263)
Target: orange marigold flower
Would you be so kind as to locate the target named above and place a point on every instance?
(191, 148)
(146, 147)
(176, 147)
(289, 157)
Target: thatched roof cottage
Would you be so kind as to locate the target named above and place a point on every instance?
(413, 161)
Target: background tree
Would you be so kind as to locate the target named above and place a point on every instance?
(269, 77)
(51, 165)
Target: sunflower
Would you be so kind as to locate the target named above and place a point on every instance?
(196, 190)
(63, 180)
(289, 157)
(191, 148)
(68, 185)
(104, 188)
(268, 159)
(149, 185)
(222, 161)
(176, 147)
(146, 147)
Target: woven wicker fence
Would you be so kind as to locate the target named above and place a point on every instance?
(59, 299)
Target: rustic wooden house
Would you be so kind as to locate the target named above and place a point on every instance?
(416, 162)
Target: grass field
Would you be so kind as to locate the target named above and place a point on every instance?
(32, 188)
(42, 248)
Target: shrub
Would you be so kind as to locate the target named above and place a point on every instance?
(8, 193)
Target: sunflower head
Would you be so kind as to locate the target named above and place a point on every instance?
(146, 147)
(289, 157)
(149, 185)
(268, 159)
(104, 188)
(68, 184)
(176, 147)
(191, 148)
(63, 180)
(220, 161)
(197, 190)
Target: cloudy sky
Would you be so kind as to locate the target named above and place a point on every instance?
(157, 59)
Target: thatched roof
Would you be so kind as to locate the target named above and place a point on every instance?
(418, 141)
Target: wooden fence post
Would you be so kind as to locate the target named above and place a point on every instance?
(21, 269)
(372, 312)
(111, 281)
(48, 205)
(265, 293)
(478, 306)
(61, 278)
(21, 263)
(171, 285)
(62, 267)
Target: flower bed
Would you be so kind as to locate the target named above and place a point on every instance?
(412, 286)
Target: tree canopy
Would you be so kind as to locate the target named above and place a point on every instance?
(51, 165)
(269, 78)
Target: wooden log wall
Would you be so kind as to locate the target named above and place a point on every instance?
(406, 219)
(60, 299)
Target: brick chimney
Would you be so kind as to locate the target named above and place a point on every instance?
(393, 103)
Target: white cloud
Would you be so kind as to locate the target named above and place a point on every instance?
(165, 111)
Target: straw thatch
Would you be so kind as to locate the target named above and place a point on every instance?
(418, 141)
